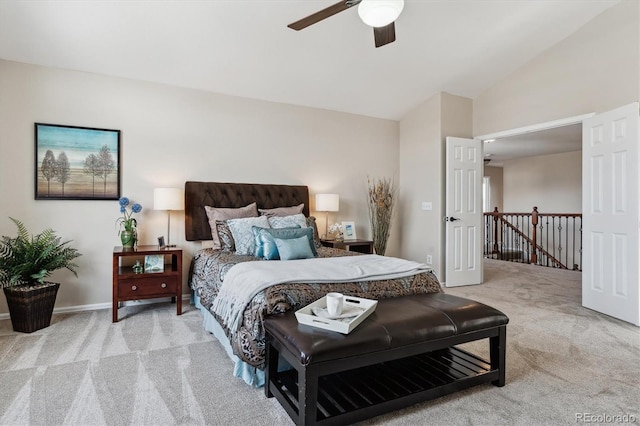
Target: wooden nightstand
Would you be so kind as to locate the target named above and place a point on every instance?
(128, 285)
(361, 246)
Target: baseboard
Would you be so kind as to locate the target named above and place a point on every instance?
(98, 306)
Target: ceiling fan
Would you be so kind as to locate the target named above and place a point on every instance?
(379, 14)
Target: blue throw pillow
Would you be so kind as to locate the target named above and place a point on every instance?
(259, 249)
(261, 241)
(268, 236)
(294, 248)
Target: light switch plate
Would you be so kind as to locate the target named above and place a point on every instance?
(427, 205)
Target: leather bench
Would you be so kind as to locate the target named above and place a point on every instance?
(403, 353)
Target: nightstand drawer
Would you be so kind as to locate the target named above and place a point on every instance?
(147, 286)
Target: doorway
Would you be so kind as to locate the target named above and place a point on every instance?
(610, 197)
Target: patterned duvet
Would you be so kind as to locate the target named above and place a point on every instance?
(209, 267)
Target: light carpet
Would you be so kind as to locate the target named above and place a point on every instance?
(565, 364)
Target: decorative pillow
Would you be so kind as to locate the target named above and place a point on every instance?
(311, 223)
(218, 213)
(294, 248)
(243, 235)
(270, 248)
(282, 211)
(265, 245)
(288, 221)
(225, 236)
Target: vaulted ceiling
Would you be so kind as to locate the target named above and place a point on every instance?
(244, 48)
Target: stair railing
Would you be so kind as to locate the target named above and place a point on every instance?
(547, 239)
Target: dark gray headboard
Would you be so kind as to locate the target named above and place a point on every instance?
(234, 195)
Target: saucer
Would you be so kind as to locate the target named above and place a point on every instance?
(347, 312)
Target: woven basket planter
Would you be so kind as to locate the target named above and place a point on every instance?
(31, 306)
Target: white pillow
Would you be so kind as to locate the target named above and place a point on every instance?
(288, 221)
(243, 235)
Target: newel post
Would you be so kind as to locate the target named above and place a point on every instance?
(495, 229)
(534, 222)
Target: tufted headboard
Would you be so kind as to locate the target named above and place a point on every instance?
(234, 195)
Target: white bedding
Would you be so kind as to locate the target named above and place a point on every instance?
(244, 280)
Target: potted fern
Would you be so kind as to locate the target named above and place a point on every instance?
(25, 261)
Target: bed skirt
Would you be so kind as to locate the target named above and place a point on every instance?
(251, 375)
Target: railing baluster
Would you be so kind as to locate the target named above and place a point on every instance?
(566, 244)
(553, 235)
(534, 221)
(547, 263)
(581, 243)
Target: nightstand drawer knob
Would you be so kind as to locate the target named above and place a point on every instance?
(163, 285)
(134, 287)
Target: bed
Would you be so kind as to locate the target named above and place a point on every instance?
(244, 338)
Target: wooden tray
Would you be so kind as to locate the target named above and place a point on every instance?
(345, 325)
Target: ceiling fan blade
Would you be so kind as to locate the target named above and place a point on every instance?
(384, 35)
(323, 14)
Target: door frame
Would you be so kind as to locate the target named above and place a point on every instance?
(536, 127)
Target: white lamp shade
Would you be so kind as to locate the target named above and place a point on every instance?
(378, 13)
(327, 202)
(168, 199)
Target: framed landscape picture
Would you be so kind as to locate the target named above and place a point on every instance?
(76, 163)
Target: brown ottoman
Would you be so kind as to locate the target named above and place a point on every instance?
(402, 354)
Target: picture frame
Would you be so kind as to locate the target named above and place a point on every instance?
(76, 163)
(349, 230)
(154, 263)
(161, 243)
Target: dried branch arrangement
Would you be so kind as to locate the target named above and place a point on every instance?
(381, 199)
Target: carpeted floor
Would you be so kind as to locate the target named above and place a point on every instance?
(155, 368)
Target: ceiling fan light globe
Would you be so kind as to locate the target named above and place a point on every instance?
(379, 13)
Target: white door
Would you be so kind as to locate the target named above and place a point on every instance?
(610, 203)
(463, 212)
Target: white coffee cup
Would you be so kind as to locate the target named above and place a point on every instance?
(335, 303)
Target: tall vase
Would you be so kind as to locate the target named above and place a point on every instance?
(128, 238)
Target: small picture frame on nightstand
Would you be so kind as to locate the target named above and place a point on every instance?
(161, 243)
(154, 263)
(349, 230)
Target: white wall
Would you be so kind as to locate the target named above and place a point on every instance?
(594, 70)
(496, 178)
(422, 169)
(553, 183)
(421, 179)
(170, 135)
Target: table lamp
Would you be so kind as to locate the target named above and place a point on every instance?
(168, 199)
(327, 203)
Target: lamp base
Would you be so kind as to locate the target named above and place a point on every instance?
(326, 225)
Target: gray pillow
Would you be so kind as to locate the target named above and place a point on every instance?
(243, 235)
(311, 223)
(282, 211)
(219, 213)
(225, 236)
(288, 221)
